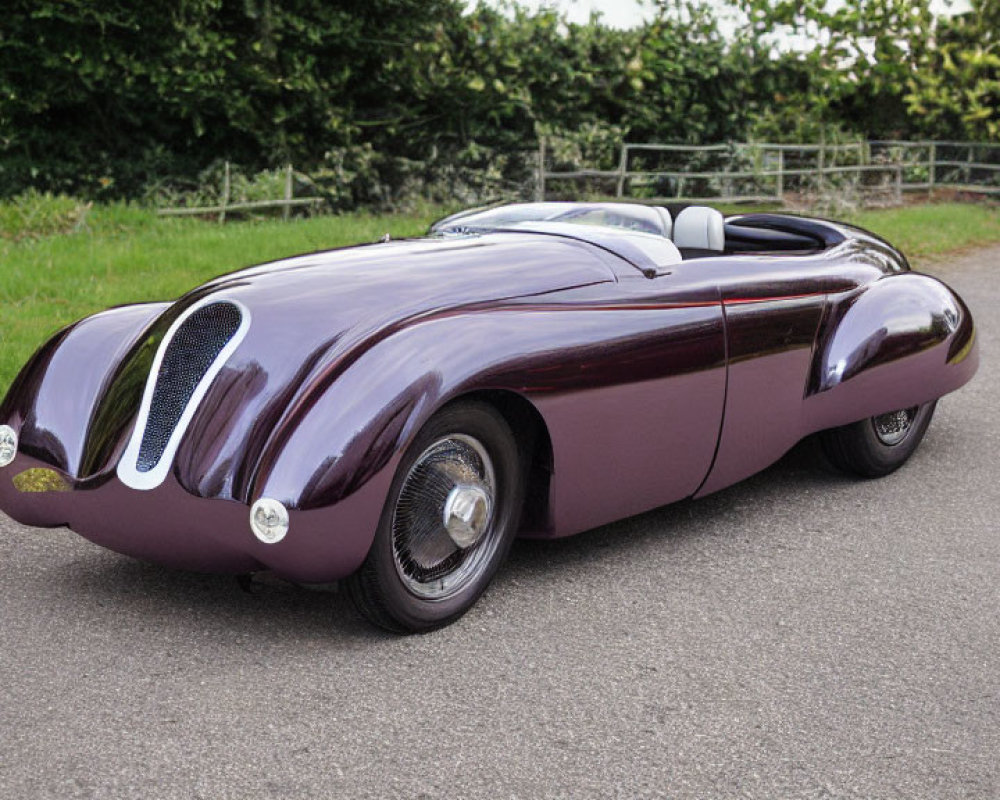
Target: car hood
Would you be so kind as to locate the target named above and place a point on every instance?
(310, 317)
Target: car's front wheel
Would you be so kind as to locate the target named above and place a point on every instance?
(878, 445)
(448, 522)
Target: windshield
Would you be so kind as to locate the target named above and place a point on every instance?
(626, 216)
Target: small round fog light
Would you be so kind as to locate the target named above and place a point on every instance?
(269, 520)
(8, 445)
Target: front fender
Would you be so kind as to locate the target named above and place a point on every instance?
(60, 402)
(905, 340)
(333, 459)
(354, 430)
(574, 363)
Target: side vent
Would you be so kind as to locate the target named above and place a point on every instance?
(195, 348)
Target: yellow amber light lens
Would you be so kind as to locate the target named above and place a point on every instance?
(34, 481)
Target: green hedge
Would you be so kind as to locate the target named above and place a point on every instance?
(119, 98)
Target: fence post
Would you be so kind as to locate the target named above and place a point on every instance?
(931, 169)
(859, 176)
(968, 170)
(225, 194)
(781, 176)
(899, 180)
(287, 210)
(822, 165)
(622, 168)
(865, 176)
(736, 157)
(540, 181)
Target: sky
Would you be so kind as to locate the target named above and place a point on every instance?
(617, 13)
(629, 13)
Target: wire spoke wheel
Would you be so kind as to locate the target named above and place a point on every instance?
(431, 555)
(448, 521)
(893, 428)
(878, 445)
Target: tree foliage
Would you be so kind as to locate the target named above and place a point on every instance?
(107, 97)
(108, 93)
(890, 68)
(955, 91)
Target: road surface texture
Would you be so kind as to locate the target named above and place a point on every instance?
(799, 635)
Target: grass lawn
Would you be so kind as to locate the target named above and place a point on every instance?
(119, 254)
(927, 231)
(51, 281)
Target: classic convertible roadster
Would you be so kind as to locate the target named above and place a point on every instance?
(395, 414)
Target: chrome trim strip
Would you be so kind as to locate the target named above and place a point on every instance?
(127, 466)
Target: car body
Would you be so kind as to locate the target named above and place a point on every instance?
(631, 372)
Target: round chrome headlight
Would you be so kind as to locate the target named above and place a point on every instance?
(269, 520)
(8, 445)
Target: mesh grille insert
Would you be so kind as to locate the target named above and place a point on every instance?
(189, 354)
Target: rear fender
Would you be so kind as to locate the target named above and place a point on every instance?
(905, 340)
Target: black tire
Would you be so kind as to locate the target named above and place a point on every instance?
(393, 589)
(877, 445)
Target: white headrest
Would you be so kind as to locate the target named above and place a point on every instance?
(667, 220)
(700, 227)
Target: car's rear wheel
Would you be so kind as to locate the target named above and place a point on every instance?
(878, 445)
(447, 524)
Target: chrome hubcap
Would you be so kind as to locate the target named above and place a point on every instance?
(466, 514)
(443, 530)
(893, 427)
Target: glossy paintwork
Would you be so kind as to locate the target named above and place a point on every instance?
(61, 401)
(650, 389)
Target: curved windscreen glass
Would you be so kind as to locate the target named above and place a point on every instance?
(627, 216)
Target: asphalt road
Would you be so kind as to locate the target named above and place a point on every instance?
(799, 635)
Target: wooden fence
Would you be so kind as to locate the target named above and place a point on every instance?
(774, 173)
(866, 173)
(225, 206)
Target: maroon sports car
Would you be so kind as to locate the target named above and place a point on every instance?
(396, 413)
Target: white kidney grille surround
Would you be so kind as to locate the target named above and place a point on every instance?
(193, 351)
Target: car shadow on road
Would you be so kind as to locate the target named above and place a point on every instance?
(263, 606)
(267, 606)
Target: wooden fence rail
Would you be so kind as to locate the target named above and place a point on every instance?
(761, 172)
(905, 166)
(247, 206)
(226, 206)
